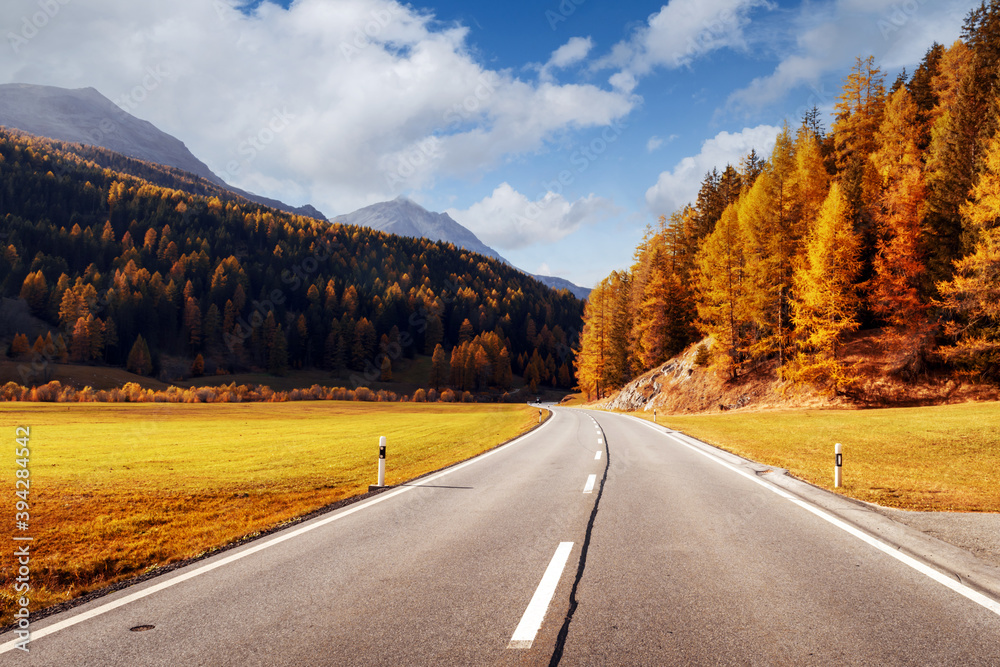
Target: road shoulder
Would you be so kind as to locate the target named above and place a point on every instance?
(963, 546)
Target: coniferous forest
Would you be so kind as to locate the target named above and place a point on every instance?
(129, 272)
(888, 222)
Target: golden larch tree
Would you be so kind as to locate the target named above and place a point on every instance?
(591, 365)
(825, 302)
(810, 181)
(770, 216)
(859, 116)
(722, 297)
(662, 325)
(972, 296)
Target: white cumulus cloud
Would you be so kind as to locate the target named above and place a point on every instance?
(508, 219)
(572, 52)
(682, 31)
(380, 97)
(676, 188)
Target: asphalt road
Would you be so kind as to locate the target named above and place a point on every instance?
(628, 546)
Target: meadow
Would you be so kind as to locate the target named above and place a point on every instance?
(119, 489)
(940, 458)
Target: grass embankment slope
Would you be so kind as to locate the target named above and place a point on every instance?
(940, 458)
(117, 489)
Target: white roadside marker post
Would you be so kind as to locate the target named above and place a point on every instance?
(654, 415)
(837, 475)
(381, 465)
(381, 461)
(539, 416)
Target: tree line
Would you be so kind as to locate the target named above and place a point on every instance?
(129, 273)
(131, 392)
(889, 221)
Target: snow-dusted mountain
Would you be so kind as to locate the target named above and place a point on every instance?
(84, 116)
(405, 217)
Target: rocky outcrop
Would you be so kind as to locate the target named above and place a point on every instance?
(895, 377)
(672, 378)
(640, 393)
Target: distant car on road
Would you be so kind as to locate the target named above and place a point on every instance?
(538, 399)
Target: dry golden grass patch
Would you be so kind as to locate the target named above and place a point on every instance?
(117, 489)
(941, 458)
(573, 400)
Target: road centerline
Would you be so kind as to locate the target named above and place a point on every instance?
(534, 614)
(589, 486)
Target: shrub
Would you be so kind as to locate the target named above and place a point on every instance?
(701, 355)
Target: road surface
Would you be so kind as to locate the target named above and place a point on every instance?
(594, 540)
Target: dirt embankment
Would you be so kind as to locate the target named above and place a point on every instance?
(890, 374)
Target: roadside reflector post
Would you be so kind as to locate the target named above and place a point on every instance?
(539, 416)
(837, 475)
(381, 461)
(381, 465)
(654, 415)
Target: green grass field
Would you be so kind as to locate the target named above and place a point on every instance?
(117, 489)
(944, 458)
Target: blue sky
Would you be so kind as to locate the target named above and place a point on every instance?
(556, 129)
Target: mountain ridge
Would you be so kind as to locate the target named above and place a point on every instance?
(85, 116)
(405, 217)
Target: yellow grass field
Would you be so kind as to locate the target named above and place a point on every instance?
(941, 458)
(118, 489)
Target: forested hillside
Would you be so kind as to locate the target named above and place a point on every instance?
(130, 272)
(890, 221)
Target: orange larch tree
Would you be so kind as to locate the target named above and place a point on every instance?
(898, 266)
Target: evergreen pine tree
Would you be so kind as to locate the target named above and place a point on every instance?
(139, 360)
(277, 357)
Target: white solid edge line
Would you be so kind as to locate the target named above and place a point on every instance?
(597, 456)
(138, 595)
(941, 578)
(589, 486)
(533, 616)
